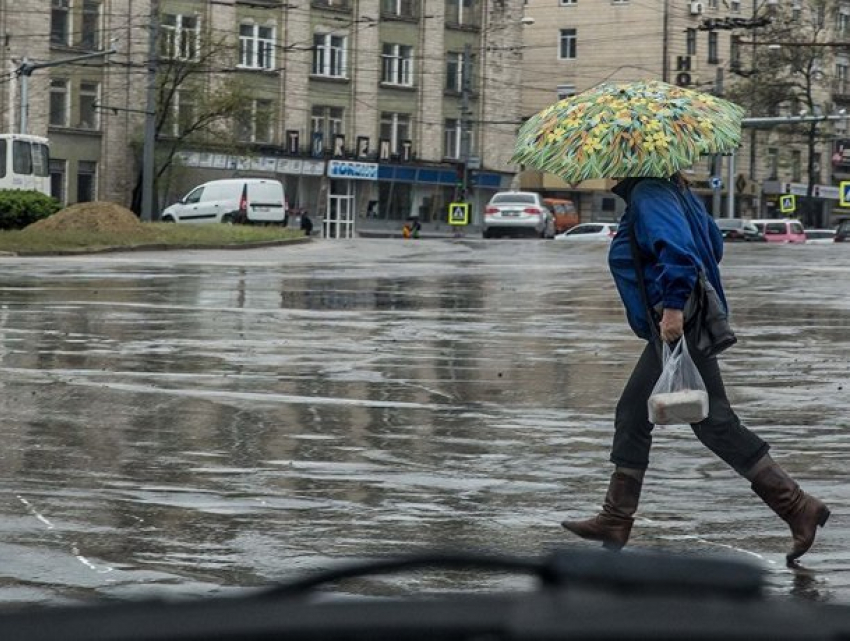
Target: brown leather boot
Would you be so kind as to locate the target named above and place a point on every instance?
(613, 524)
(802, 512)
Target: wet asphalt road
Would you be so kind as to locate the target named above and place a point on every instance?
(184, 423)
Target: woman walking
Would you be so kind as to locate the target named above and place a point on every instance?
(676, 238)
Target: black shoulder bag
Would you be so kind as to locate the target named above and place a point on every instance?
(706, 321)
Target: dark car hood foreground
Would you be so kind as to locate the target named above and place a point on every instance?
(582, 595)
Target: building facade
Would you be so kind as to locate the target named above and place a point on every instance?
(707, 45)
(370, 111)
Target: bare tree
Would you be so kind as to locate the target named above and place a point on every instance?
(790, 75)
(198, 98)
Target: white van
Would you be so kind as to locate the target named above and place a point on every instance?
(220, 201)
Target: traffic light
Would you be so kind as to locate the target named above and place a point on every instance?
(460, 180)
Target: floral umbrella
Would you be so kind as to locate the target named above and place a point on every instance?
(618, 130)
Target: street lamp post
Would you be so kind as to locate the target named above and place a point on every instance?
(26, 69)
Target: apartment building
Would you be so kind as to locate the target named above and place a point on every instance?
(708, 45)
(370, 111)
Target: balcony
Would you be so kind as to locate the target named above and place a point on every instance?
(403, 10)
(841, 90)
(333, 5)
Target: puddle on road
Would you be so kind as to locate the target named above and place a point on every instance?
(193, 430)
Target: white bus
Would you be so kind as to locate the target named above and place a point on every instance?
(24, 162)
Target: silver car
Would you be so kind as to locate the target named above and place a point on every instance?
(518, 213)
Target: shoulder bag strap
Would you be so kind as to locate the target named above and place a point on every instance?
(650, 315)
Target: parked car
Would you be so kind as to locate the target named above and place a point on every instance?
(564, 211)
(589, 232)
(820, 236)
(255, 200)
(739, 229)
(518, 212)
(781, 230)
(842, 232)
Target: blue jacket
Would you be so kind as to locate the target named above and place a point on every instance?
(676, 237)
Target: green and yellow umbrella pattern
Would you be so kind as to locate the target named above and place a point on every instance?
(616, 130)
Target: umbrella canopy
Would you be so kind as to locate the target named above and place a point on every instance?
(618, 130)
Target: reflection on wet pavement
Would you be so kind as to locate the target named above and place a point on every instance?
(195, 423)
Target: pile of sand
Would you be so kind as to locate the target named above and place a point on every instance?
(96, 216)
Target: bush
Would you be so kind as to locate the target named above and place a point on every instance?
(21, 208)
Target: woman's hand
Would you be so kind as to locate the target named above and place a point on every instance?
(672, 325)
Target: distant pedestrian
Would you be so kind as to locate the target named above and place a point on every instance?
(678, 239)
(306, 223)
(415, 227)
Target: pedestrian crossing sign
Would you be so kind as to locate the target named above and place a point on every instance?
(459, 214)
(787, 203)
(844, 193)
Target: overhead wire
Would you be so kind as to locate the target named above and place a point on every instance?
(530, 70)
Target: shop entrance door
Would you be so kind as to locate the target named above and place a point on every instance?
(339, 218)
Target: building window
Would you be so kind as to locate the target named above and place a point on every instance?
(712, 4)
(60, 12)
(59, 103)
(256, 46)
(451, 138)
(841, 78)
(565, 91)
(713, 56)
(735, 6)
(329, 55)
(567, 44)
(327, 122)
(843, 22)
(89, 115)
(185, 109)
(735, 53)
(772, 163)
(398, 8)
(454, 71)
(397, 65)
(59, 179)
(796, 165)
(462, 12)
(86, 181)
(180, 37)
(254, 123)
(567, 3)
(395, 127)
(691, 42)
(90, 25)
(181, 117)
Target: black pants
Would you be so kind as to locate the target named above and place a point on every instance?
(722, 432)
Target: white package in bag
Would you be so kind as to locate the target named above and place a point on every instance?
(679, 396)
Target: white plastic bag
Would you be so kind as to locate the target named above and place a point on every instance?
(679, 396)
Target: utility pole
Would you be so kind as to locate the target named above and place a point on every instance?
(465, 118)
(26, 69)
(150, 116)
(665, 42)
(716, 162)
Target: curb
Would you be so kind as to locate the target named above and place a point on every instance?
(161, 247)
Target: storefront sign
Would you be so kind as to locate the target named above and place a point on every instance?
(362, 146)
(352, 170)
(384, 149)
(292, 142)
(313, 168)
(683, 71)
(339, 146)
